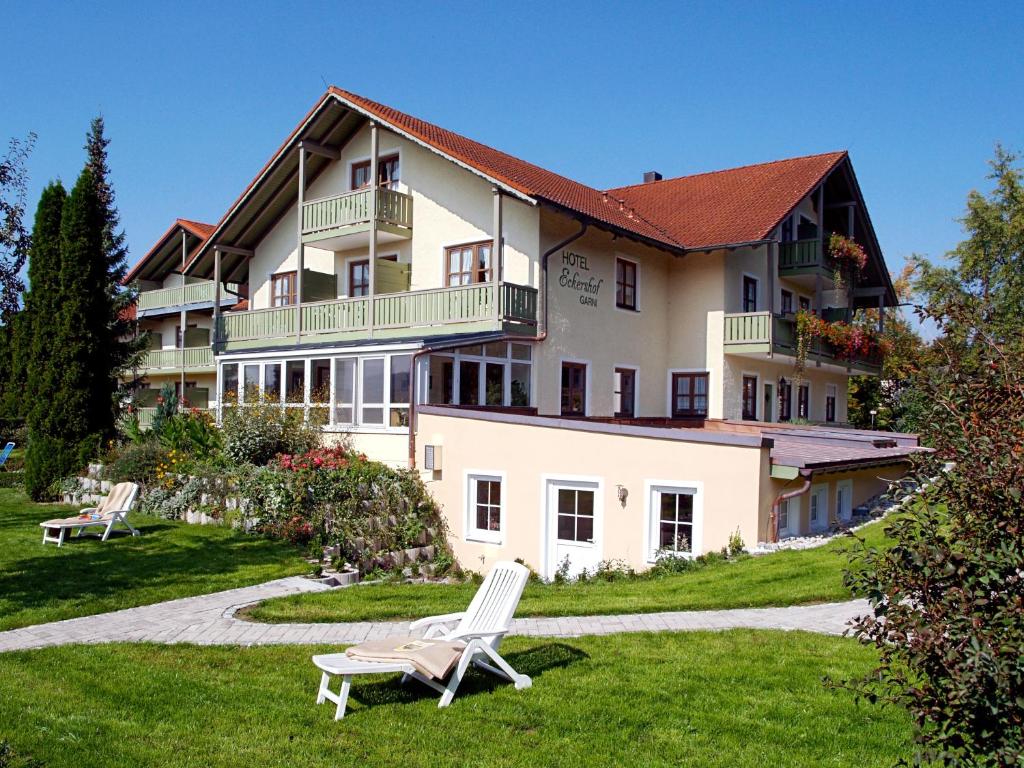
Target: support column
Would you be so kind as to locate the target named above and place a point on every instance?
(772, 248)
(183, 320)
(374, 186)
(216, 296)
(301, 248)
(497, 254)
(881, 313)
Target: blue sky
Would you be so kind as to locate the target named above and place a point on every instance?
(197, 95)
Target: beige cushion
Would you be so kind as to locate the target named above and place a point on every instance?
(431, 658)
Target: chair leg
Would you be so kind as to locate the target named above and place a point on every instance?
(325, 681)
(346, 684)
(458, 674)
(504, 668)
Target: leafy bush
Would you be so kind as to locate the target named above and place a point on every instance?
(191, 432)
(135, 462)
(256, 432)
(49, 459)
(166, 407)
(14, 479)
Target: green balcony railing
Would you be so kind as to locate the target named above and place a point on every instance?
(757, 332)
(329, 216)
(748, 328)
(175, 359)
(443, 308)
(801, 254)
(198, 292)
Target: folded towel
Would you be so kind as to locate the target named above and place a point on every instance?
(431, 658)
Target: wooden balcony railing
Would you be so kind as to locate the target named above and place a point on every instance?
(176, 359)
(801, 254)
(199, 292)
(756, 332)
(440, 309)
(329, 216)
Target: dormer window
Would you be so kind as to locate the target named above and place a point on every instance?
(387, 172)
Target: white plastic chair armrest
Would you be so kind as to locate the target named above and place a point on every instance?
(87, 510)
(477, 634)
(447, 618)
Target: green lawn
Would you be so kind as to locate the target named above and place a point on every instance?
(738, 698)
(782, 578)
(86, 576)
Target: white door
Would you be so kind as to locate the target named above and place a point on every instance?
(817, 508)
(573, 527)
(844, 499)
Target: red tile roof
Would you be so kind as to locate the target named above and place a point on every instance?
(520, 175)
(197, 229)
(738, 205)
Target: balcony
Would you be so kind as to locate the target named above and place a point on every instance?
(762, 334)
(194, 295)
(331, 222)
(803, 260)
(464, 309)
(191, 359)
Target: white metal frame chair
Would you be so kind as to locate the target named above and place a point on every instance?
(482, 626)
(111, 510)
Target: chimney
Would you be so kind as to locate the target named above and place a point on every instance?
(650, 176)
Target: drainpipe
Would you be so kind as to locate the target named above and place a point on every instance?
(543, 334)
(773, 519)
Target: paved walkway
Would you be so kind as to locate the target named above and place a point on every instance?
(209, 620)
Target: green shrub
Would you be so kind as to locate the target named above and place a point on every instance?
(191, 432)
(14, 479)
(135, 462)
(256, 432)
(49, 459)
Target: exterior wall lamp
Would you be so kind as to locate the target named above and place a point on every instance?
(623, 494)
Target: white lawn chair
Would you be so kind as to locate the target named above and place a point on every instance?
(481, 627)
(112, 509)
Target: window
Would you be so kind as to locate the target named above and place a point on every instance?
(359, 278)
(750, 398)
(295, 381)
(769, 402)
(272, 381)
(495, 375)
(372, 407)
(575, 515)
(469, 382)
(830, 402)
(574, 389)
(400, 390)
(805, 304)
(625, 284)
(812, 500)
(387, 172)
(251, 382)
(282, 289)
(229, 383)
(749, 293)
(784, 516)
(689, 394)
(485, 518)
(787, 231)
(625, 393)
(803, 402)
(468, 264)
(806, 229)
(344, 390)
(787, 302)
(675, 521)
(785, 400)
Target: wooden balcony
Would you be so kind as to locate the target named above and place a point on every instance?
(762, 334)
(340, 216)
(191, 359)
(410, 314)
(197, 294)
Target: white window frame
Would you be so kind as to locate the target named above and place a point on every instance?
(636, 385)
(792, 527)
(694, 488)
(846, 485)
(354, 405)
(549, 518)
(821, 490)
(636, 263)
(472, 532)
(588, 399)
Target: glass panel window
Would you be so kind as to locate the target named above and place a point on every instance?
(625, 393)
(469, 382)
(345, 390)
(467, 264)
(499, 349)
(251, 381)
(282, 289)
(229, 385)
(272, 381)
(575, 515)
(388, 172)
(442, 380)
(813, 501)
(520, 385)
(400, 391)
(484, 495)
(785, 400)
(359, 278)
(689, 395)
(522, 352)
(494, 383)
(784, 515)
(675, 521)
(320, 381)
(750, 398)
(803, 402)
(749, 294)
(295, 382)
(787, 302)
(574, 389)
(372, 408)
(830, 403)
(805, 304)
(625, 284)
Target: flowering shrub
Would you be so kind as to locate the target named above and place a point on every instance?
(849, 342)
(849, 258)
(259, 430)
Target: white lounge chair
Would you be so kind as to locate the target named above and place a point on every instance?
(481, 628)
(112, 509)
